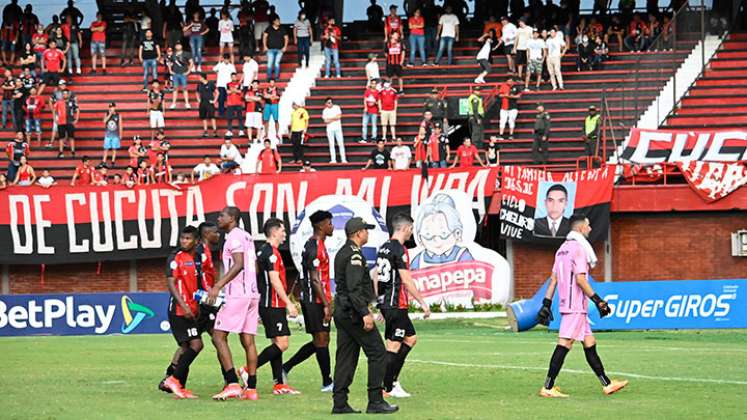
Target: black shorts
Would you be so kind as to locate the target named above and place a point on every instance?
(185, 330)
(521, 57)
(393, 70)
(313, 317)
(398, 324)
(65, 130)
(275, 322)
(206, 111)
(484, 65)
(51, 78)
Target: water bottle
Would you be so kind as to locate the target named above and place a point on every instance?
(201, 296)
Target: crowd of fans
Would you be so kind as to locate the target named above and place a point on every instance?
(171, 46)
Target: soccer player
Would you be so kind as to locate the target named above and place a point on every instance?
(394, 286)
(316, 298)
(273, 303)
(569, 274)
(239, 313)
(205, 271)
(184, 311)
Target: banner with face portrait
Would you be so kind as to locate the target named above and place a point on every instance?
(447, 265)
(536, 205)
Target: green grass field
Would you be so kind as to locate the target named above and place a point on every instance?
(459, 370)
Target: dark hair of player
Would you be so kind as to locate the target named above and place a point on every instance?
(190, 230)
(577, 219)
(557, 187)
(271, 224)
(234, 212)
(401, 221)
(204, 226)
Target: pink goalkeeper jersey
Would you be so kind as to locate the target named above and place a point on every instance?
(569, 261)
(244, 285)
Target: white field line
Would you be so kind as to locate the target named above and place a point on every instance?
(583, 372)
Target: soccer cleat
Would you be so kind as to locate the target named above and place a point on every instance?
(283, 389)
(188, 394)
(249, 394)
(328, 388)
(398, 392)
(552, 393)
(162, 386)
(230, 391)
(614, 386)
(176, 388)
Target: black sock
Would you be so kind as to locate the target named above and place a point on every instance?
(404, 349)
(182, 367)
(170, 369)
(322, 357)
(302, 354)
(596, 364)
(556, 362)
(230, 377)
(268, 354)
(251, 383)
(391, 360)
(277, 368)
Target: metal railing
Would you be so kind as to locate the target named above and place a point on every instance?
(626, 100)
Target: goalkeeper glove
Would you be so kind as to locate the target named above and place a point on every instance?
(545, 313)
(602, 306)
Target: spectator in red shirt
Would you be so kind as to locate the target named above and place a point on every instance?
(136, 151)
(392, 23)
(83, 173)
(129, 178)
(234, 102)
(161, 171)
(466, 155)
(34, 106)
(331, 38)
(416, 23)
(269, 161)
(66, 114)
(100, 178)
(39, 41)
(144, 174)
(98, 42)
(388, 107)
(53, 61)
(395, 58)
(370, 111)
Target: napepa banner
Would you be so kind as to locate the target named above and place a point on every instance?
(84, 314)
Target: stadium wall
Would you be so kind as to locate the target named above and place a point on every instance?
(645, 246)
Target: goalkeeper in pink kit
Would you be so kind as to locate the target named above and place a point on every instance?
(569, 274)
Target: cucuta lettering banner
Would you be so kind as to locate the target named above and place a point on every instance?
(87, 224)
(84, 314)
(678, 304)
(536, 205)
(662, 146)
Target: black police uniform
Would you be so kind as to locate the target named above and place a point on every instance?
(354, 293)
(541, 138)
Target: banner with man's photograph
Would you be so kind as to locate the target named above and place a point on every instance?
(537, 205)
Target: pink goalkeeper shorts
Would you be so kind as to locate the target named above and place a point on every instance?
(238, 315)
(574, 326)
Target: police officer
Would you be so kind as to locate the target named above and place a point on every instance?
(475, 115)
(541, 135)
(438, 107)
(355, 324)
(591, 130)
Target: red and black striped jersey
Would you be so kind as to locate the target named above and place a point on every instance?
(315, 258)
(394, 53)
(181, 267)
(269, 260)
(391, 258)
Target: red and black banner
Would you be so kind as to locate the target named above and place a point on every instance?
(536, 205)
(67, 224)
(661, 146)
(714, 181)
